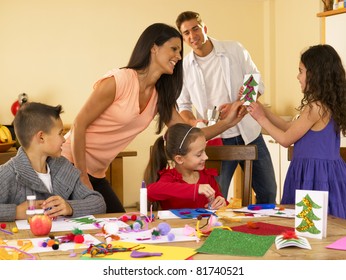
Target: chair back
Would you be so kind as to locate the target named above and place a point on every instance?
(248, 153)
(290, 153)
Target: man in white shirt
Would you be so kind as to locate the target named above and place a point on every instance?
(213, 75)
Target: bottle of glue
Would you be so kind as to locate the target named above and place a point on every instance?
(143, 200)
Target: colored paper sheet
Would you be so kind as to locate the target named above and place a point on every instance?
(69, 224)
(188, 213)
(339, 244)
(236, 243)
(261, 228)
(36, 248)
(286, 213)
(168, 252)
(145, 236)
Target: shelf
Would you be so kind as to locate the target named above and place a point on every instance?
(332, 12)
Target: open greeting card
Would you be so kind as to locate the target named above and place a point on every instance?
(282, 241)
(311, 213)
(250, 84)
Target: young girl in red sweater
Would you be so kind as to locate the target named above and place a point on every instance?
(176, 174)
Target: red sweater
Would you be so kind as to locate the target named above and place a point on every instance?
(174, 193)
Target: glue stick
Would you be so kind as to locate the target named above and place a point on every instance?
(143, 200)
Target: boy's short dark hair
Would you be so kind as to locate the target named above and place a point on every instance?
(33, 117)
(188, 15)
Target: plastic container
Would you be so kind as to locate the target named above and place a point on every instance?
(31, 199)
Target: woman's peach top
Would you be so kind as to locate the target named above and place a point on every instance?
(117, 126)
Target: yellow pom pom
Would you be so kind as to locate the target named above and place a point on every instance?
(14, 229)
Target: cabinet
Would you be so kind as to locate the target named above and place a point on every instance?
(278, 154)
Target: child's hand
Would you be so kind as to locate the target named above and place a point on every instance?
(256, 110)
(207, 190)
(57, 206)
(218, 203)
(21, 211)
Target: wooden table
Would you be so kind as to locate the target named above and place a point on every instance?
(115, 172)
(336, 229)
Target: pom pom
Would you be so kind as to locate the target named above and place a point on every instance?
(78, 238)
(3, 226)
(136, 226)
(124, 218)
(50, 242)
(14, 229)
(199, 217)
(44, 244)
(55, 246)
(133, 217)
(164, 228)
(110, 228)
(189, 231)
(51, 236)
(39, 243)
(170, 236)
(155, 232)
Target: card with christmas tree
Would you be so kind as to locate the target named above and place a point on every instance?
(250, 84)
(311, 213)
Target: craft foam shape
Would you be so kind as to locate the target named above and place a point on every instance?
(250, 84)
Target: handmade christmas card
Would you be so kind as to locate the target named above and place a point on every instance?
(250, 84)
(311, 213)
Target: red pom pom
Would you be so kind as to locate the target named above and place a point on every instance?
(78, 238)
(124, 218)
(3, 226)
(133, 217)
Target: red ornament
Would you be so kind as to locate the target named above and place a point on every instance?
(15, 107)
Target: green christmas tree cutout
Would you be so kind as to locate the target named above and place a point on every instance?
(307, 215)
(249, 94)
(84, 220)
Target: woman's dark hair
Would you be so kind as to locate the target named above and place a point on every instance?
(176, 141)
(325, 82)
(168, 86)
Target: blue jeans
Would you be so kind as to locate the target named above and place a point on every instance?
(263, 177)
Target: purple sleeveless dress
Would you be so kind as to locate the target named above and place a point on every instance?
(317, 165)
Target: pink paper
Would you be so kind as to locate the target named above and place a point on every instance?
(338, 244)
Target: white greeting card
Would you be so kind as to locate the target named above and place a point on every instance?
(311, 213)
(250, 84)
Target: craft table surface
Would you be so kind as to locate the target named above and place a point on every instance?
(336, 229)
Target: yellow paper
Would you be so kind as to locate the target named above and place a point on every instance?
(168, 252)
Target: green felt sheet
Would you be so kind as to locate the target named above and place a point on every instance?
(227, 242)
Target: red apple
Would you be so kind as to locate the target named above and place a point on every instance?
(40, 224)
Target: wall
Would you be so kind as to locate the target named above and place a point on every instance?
(55, 50)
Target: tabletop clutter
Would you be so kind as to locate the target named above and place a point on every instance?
(139, 235)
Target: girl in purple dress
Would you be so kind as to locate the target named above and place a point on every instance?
(316, 162)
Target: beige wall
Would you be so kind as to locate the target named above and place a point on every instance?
(55, 50)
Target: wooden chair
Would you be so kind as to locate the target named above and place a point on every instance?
(248, 153)
(290, 153)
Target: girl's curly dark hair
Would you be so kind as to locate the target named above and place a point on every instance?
(325, 82)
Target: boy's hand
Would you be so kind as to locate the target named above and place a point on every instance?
(57, 206)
